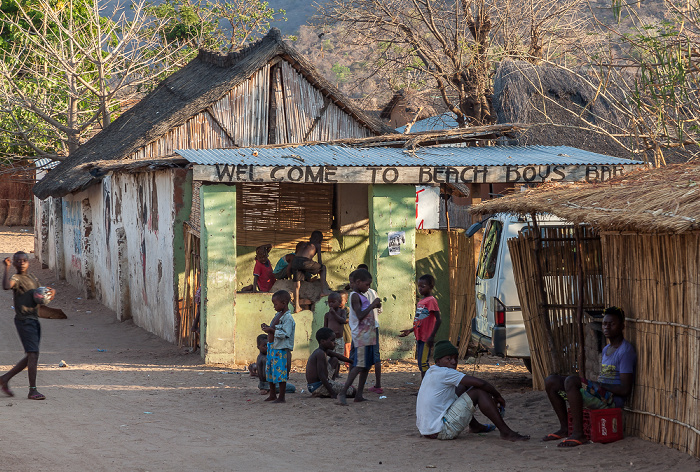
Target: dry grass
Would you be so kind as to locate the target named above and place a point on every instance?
(661, 200)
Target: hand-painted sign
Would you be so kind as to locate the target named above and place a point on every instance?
(427, 207)
(420, 175)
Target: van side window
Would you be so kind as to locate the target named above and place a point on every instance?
(489, 250)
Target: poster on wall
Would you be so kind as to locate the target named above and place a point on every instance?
(396, 239)
(427, 207)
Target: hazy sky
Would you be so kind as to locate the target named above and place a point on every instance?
(297, 12)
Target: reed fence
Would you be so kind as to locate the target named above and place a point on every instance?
(462, 280)
(655, 278)
(188, 310)
(546, 268)
(16, 198)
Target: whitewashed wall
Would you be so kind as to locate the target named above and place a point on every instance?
(117, 246)
(142, 204)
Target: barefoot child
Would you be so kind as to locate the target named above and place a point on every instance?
(280, 343)
(448, 398)
(260, 368)
(363, 334)
(23, 285)
(347, 334)
(318, 367)
(426, 322)
(371, 294)
(334, 319)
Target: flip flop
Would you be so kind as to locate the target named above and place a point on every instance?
(6, 390)
(552, 437)
(568, 442)
(377, 390)
(489, 427)
(36, 396)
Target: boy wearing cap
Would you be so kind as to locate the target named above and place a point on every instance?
(447, 400)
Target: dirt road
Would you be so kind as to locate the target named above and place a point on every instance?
(130, 401)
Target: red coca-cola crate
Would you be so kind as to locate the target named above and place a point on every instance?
(601, 426)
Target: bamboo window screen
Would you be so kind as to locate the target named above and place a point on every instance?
(283, 214)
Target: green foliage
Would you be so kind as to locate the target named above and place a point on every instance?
(666, 88)
(199, 24)
(64, 69)
(342, 72)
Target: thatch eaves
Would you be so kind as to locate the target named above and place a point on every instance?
(561, 107)
(661, 200)
(185, 93)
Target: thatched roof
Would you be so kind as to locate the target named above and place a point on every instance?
(185, 93)
(661, 200)
(410, 99)
(550, 99)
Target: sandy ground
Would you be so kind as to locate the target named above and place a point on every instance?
(131, 401)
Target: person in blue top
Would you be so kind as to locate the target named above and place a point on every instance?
(610, 391)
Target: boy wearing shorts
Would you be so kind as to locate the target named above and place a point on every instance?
(363, 331)
(426, 323)
(26, 321)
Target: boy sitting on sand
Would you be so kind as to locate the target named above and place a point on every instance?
(318, 367)
(448, 398)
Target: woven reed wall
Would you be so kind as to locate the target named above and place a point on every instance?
(16, 198)
(462, 280)
(188, 310)
(555, 353)
(655, 279)
(283, 214)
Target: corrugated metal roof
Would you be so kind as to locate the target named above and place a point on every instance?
(45, 163)
(341, 156)
(433, 123)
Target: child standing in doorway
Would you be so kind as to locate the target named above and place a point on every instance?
(426, 323)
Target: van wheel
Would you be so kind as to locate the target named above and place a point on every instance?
(528, 364)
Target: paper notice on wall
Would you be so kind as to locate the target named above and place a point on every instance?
(427, 207)
(396, 239)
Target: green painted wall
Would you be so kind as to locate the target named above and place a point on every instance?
(253, 309)
(218, 257)
(432, 250)
(393, 208)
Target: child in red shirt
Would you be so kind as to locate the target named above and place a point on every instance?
(263, 278)
(426, 322)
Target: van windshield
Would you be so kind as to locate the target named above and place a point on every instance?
(489, 250)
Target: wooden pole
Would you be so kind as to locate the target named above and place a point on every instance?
(579, 303)
(542, 309)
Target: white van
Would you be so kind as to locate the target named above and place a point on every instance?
(498, 325)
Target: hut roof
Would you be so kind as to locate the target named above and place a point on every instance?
(561, 107)
(661, 200)
(198, 85)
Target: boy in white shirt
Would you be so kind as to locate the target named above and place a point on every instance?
(371, 295)
(448, 398)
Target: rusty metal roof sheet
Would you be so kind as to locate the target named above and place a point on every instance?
(342, 156)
